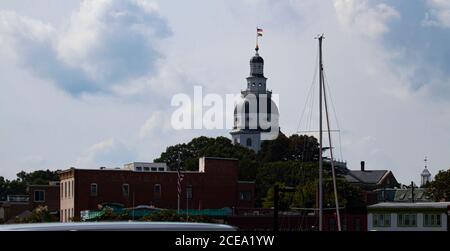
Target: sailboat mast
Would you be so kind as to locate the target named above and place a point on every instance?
(333, 170)
(320, 136)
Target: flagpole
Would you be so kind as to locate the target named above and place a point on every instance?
(257, 36)
(178, 184)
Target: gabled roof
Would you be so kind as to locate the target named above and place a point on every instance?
(366, 177)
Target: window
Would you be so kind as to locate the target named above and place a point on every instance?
(146, 168)
(65, 215)
(245, 195)
(260, 84)
(73, 190)
(125, 190)
(253, 84)
(94, 189)
(73, 215)
(157, 190)
(65, 189)
(39, 196)
(407, 220)
(161, 169)
(139, 168)
(69, 187)
(381, 220)
(154, 169)
(189, 192)
(431, 220)
(249, 142)
(61, 192)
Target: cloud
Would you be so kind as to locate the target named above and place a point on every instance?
(110, 153)
(364, 18)
(438, 14)
(106, 43)
(418, 45)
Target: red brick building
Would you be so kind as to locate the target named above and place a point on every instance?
(214, 186)
(45, 195)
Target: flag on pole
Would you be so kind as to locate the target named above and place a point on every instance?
(180, 178)
(259, 32)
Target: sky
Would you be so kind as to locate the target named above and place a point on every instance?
(90, 83)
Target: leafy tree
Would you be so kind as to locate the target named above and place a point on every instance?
(19, 185)
(285, 199)
(291, 173)
(296, 147)
(348, 195)
(213, 147)
(439, 188)
(39, 214)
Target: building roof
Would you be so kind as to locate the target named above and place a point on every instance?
(368, 177)
(403, 205)
(405, 195)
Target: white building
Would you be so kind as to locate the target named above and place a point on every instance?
(392, 216)
(256, 110)
(146, 167)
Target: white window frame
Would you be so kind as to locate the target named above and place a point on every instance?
(381, 220)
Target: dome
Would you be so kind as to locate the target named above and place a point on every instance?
(425, 172)
(246, 115)
(257, 59)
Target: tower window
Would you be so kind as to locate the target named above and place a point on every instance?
(249, 142)
(260, 84)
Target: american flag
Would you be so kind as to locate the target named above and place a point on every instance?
(180, 177)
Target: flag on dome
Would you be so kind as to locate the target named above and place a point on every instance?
(259, 32)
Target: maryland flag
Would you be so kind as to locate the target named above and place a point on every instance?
(259, 32)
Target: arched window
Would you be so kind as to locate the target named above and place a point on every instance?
(249, 142)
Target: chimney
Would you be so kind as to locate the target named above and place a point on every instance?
(363, 163)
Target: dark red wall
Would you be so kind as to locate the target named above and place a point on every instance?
(217, 187)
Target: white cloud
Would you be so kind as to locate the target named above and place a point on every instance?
(438, 14)
(105, 43)
(109, 152)
(359, 15)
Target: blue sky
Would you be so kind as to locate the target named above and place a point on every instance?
(89, 83)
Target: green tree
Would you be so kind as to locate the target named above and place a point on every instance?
(296, 147)
(348, 195)
(285, 199)
(24, 179)
(291, 173)
(211, 147)
(439, 188)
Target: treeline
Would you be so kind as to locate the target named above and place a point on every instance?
(19, 185)
(288, 161)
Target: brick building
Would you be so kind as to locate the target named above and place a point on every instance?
(37, 195)
(214, 186)
(45, 195)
